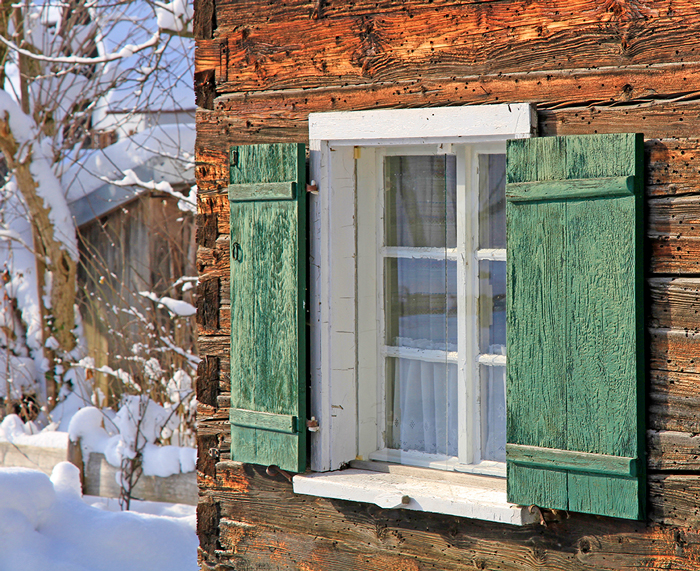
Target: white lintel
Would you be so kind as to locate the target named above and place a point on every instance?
(465, 124)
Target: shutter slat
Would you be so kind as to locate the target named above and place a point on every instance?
(575, 327)
(552, 458)
(262, 191)
(571, 189)
(264, 420)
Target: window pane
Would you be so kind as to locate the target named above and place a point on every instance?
(422, 406)
(493, 395)
(421, 303)
(420, 201)
(492, 201)
(492, 307)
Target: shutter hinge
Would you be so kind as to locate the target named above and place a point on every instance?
(312, 188)
(312, 425)
(272, 470)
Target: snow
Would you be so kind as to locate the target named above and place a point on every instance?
(48, 187)
(12, 429)
(124, 52)
(137, 425)
(175, 306)
(46, 524)
(162, 147)
(176, 16)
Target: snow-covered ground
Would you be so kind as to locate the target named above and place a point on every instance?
(45, 524)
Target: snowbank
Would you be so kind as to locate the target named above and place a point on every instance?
(45, 524)
(137, 425)
(12, 429)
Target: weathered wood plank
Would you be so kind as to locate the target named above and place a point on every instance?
(550, 459)
(266, 52)
(264, 420)
(675, 303)
(327, 534)
(674, 401)
(675, 350)
(669, 450)
(674, 500)
(208, 304)
(100, 480)
(673, 166)
(571, 189)
(208, 380)
(34, 457)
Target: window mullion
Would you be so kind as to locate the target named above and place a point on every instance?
(468, 448)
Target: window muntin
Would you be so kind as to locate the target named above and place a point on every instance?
(437, 262)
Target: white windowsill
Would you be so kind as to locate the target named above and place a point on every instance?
(463, 495)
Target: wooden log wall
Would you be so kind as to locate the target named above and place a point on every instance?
(590, 67)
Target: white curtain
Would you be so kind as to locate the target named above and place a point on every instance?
(425, 407)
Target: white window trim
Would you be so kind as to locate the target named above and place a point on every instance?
(392, 486)
(333, 137)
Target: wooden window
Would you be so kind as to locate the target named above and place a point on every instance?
(353, 344)
(431, 305)
(407, 258)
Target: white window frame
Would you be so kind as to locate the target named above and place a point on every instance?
(333, 138)
(370, 309)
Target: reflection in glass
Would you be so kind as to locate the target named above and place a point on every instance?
(492, 201)
(422, 406)
(420, 201)
(420, 306)
(492, 307)
(493, 398)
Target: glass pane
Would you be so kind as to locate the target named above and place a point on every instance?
(493, 395)
(492, 201)
(420, 201)
(421, 303)
(422, 406)
(492, 307)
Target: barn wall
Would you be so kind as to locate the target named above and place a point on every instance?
(590, 67)
(145, 245)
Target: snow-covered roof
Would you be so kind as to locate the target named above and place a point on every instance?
(155, 154)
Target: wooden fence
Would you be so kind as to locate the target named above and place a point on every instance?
(98, 476)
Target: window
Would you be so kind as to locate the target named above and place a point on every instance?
(406, 291)
(408, 296)
(431, 305)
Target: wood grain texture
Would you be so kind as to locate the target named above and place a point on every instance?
(267, 296)
(208, 380)
(267, 52)
(320, 534)
(549, 458)
(675, 303)
(208, 304)
(271, 65)
(571, 189)
(541, 398)
(585, 257)
(669, 450)
(674, 499)
(674, 401)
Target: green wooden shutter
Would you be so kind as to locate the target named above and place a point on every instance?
(268, 326)
(575, 327)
